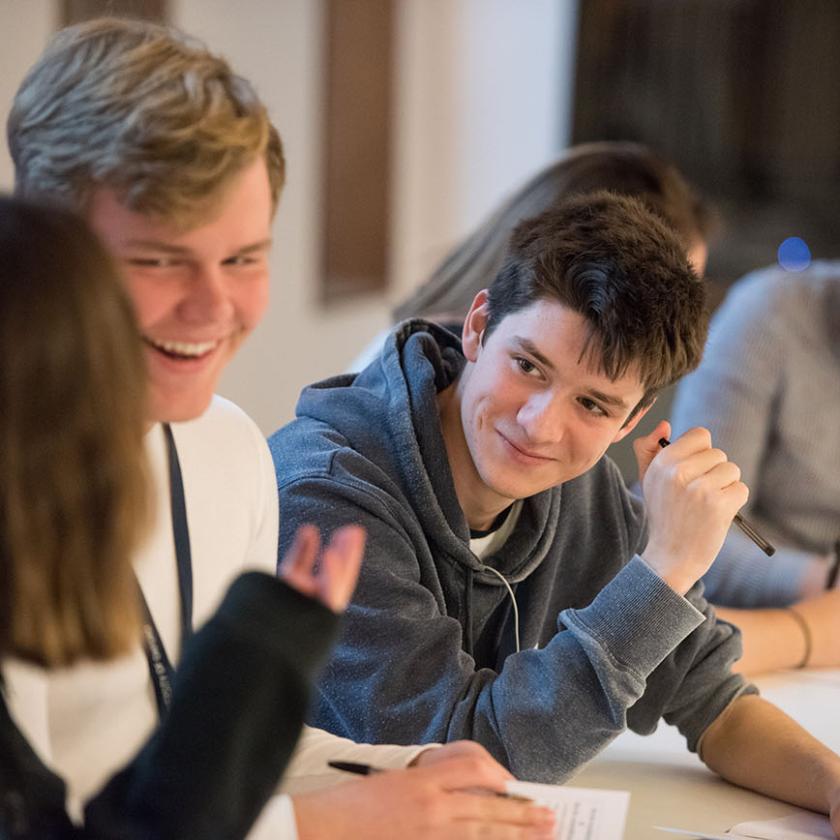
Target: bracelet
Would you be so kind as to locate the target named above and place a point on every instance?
(835, 568)
(806, 634)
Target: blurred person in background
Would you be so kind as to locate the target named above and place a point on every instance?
(768, 388)
(172, 159)
(620, 167)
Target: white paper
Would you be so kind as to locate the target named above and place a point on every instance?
(582, 813)
(801, 826)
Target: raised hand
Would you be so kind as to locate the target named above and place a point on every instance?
(328, 576)
(692, 493)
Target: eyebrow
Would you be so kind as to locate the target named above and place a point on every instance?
(180, 250)
(529, 347)
(608, 399)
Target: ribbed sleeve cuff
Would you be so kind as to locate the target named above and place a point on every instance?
(637, 618)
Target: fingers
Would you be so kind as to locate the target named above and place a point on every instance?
(465, 773)
(296, 567)
(339, 567)
(501, 813)
(457, 750)
(647, 447)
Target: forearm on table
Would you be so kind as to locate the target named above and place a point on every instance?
(772, 639)
(808, 633)
(755, 745)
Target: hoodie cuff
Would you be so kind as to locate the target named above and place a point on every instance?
(637, 618)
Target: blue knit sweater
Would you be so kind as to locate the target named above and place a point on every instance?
(427, 651)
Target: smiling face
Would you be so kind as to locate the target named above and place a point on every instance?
(197, 294)
(527, 413)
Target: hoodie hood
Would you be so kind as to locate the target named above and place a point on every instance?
(389, 414)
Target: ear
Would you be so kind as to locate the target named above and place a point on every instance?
(474, 326)
(628, 427)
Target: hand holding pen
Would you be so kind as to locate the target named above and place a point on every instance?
(692, 493)
(749, 530)
(437, 800)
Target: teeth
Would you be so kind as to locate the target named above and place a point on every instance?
(184, 348)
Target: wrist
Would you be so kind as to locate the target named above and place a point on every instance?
(674, 577)
(313, 820)
(807, 639)
(834, 568)
(832, 798)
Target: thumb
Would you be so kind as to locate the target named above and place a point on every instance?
(647, 447)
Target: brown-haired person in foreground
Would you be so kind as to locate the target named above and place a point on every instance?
(74, 506)
(512, 590)
(172, 159)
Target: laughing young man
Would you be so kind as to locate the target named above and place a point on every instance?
(512, 591)
(172, 159)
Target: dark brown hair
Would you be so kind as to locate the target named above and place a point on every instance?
(73, 481)
(623, 168)
(612, 260)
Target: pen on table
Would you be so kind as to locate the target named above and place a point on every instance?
(768, 548)
(367, 770)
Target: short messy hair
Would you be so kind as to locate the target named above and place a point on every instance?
(142, 109)
(620, 167)
(74, 485)
(615, 262)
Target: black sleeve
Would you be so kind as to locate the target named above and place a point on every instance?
(239, 700)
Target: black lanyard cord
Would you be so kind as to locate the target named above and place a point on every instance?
(160, 666)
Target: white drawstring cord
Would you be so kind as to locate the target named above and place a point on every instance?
(502, 578)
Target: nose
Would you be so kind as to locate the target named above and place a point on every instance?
(207, 298)
(542, 419)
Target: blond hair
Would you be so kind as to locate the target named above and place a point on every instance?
(74, 496)
(142, 109)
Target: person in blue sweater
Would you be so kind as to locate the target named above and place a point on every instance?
(512, 591)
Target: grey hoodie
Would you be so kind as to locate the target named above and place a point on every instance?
(427, 650)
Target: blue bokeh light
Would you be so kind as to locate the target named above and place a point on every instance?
(794, 254)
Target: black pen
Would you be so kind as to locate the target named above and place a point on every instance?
(367, 770)
(355, 767)
(768, 548)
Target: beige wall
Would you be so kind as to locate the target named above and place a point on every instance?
(480, 104)
(25, 26)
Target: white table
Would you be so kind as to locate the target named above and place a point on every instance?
(670, 786)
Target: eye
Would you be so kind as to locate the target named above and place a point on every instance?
(152, 262)
(526, 366)
(592, 407)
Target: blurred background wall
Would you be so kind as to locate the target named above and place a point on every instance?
(474, 96)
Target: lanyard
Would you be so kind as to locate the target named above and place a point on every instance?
(160, 667)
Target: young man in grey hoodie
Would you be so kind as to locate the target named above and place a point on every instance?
(512, 591)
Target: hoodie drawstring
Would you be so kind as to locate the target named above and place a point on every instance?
(468, 630)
